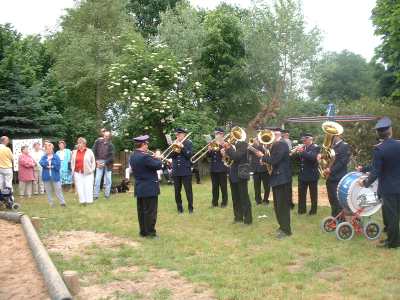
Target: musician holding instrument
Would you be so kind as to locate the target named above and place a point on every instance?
(239, 174)
(335, 171)
(147, 187)
(280, 182)
(260, 174)
(308, 175)
(181, 168)
(386, 168)
(218, 170)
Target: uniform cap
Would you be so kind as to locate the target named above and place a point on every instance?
(141, 139)
(383, 124)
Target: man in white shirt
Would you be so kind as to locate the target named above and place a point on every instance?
(37, 154)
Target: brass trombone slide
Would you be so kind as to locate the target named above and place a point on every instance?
(203, 151)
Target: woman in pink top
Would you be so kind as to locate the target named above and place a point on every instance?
(26, 172)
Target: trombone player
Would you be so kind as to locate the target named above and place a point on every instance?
(218, 170)
(181, 169)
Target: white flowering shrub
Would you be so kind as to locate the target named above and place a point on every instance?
(152, 86)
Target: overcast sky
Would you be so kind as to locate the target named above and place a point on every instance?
(345, 24)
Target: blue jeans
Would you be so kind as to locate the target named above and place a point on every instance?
(107, 181)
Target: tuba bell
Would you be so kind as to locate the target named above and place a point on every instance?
(331, 129)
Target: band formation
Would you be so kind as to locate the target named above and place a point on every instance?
(267, 158)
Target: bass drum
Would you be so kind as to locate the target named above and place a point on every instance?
(359, 199)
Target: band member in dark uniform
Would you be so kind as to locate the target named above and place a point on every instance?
(147, 186)
(218, 171)
(260, 174)
(240, 195)
(308, 175)
(336, 172)
(286, 138)
(181, 170)
(280, 182)
(386, 168)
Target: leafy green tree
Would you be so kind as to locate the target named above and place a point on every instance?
(343, 76)
(25, 110)
(222, 64)
(92, 36)
(150, 89)
(281, 52)
(385, 17)
(147, 13)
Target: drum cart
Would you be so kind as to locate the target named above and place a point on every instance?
(359, 204)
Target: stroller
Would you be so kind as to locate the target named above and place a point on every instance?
(7, 199)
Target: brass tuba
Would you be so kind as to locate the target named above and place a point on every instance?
(331, 129)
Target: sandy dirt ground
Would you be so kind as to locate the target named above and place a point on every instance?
(132, 280)
(19, 277)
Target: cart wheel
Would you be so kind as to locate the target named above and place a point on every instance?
(372, 230)
(15, 206)
(344, 231)
(328, 224)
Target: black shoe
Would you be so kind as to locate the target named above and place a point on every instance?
(190, 211)
(310, 213)
(301, 212)
(63, 205)
(292, 205)
(95, 198)
(223, 205)
(282, 235)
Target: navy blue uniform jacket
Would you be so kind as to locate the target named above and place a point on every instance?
(216, 162)
(342, 159)
(386, 167)
(144, 168)
(239, 156)
(181, 165)
(309, 164)
(280, 161)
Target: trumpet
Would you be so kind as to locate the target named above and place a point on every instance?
(296, 149)
(215, 146)
(174, 147)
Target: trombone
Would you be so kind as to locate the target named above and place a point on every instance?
(203, 151)
(151, 153)
(174, 147)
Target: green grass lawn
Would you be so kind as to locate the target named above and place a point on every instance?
(235, 260)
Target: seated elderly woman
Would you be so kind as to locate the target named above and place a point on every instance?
(51, 165)
(83, 164)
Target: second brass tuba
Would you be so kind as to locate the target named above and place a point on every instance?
(331, 129)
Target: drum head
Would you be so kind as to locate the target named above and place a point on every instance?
(356, 198)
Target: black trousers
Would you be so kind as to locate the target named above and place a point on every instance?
(281, 195)
(303, 187)
(196, 173)
(391, 215)
(187, 184)
(331, 187)
(147, 215)
(257, 179)
(241, 202)
(219, 181)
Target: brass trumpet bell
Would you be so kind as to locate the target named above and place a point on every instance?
(237, 134)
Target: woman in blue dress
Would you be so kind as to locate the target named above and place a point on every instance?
(65, 171)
